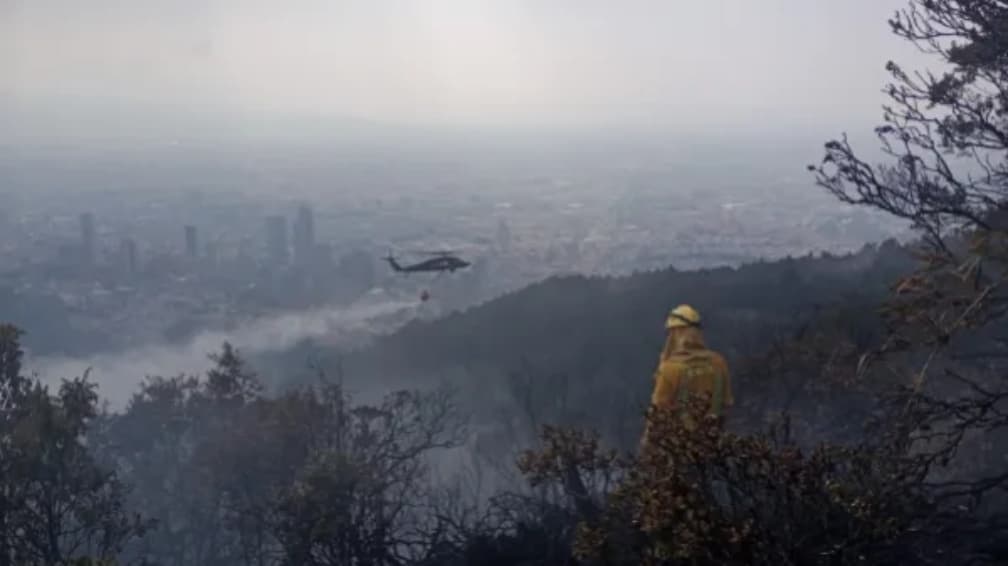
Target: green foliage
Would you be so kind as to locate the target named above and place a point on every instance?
(306, 477)
(57, 505)
(229, 381)
(566, 319)
(587, 346)
(702, 495)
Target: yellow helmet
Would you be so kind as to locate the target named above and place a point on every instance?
(683, 315)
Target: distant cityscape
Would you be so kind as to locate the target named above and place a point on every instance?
(306, 251)
(142, 262)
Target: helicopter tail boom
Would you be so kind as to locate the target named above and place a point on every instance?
(392, 261)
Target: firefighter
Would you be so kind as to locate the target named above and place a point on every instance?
(688, 367)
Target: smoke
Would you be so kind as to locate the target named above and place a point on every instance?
(118, 374)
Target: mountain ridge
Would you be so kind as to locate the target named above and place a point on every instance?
(613, 324)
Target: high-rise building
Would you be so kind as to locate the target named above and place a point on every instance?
(87, 227)
(276, 239)
(304, 235)
(128, 250)
(190, 241)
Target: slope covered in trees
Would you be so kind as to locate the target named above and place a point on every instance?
(563, 317)
(564, 320)
(583, 349)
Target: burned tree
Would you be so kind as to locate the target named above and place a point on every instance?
(946, 139)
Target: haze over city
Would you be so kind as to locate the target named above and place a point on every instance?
(503, 282)
(228, 67)
(538, 137)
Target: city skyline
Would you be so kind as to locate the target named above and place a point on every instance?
(276, 248)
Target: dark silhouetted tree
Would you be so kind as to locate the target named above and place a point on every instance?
(946, 136)
(57, 506)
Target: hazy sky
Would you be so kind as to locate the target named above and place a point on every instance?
(551, 63)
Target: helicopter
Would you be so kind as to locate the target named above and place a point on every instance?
(441, 262)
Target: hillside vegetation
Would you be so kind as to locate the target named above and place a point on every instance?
(583, 349)
(872, 423)
(564, 320)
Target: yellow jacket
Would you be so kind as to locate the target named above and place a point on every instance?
(692, 371)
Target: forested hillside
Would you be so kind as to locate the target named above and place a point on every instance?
(584, 322)
(583, 349)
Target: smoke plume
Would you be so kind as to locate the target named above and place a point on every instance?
(118, 374)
